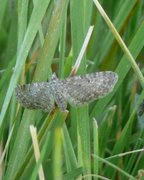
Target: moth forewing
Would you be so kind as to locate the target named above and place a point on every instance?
(35, 96)
(76, 90)
(79, 90)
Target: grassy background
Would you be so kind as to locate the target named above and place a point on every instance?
(41, 37)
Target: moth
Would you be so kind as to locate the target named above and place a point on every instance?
(75, 90)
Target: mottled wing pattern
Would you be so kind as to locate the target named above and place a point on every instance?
(79, 90)
(76, 90)
(35, 96)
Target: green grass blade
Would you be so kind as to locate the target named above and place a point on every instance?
(2, 11)
(122, 69)
(79, 28)
(96, 148)
(27, 120)
(57, 156)
(24, 49)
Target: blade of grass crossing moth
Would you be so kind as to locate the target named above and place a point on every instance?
(79, 28)
(82, 147)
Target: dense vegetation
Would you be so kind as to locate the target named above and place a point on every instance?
(101, 140)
